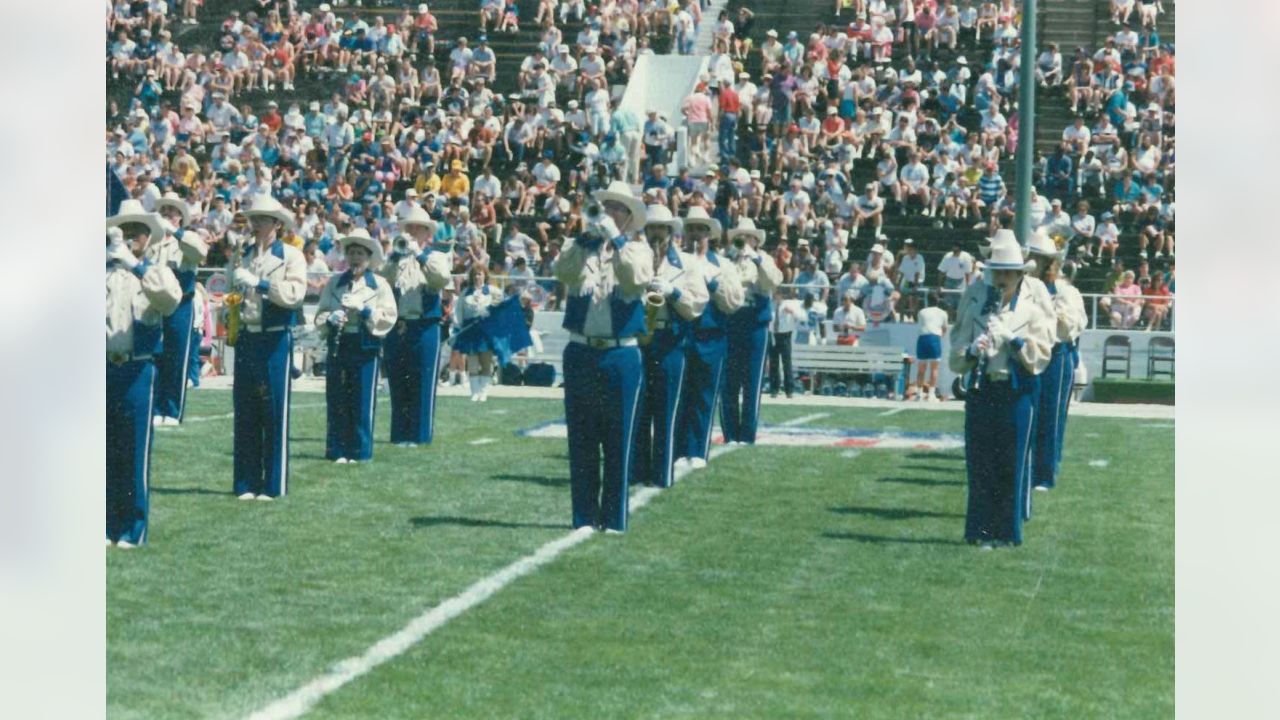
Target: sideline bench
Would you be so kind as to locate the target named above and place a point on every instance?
(848, 360)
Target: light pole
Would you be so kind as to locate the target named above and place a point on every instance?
(1026, 123)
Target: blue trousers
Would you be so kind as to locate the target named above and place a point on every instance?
(703, 379)
(997, 444)
(171, 365)
(743, 377)
(728, 136)
(260, 393)
(350, 393)
(1051, 416)
(412, 358)
(130, 392)
(601, 394)
(193, 359)
(664, 362)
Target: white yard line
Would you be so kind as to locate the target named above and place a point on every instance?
(304, 698)
(893, 411)
(228, 416)
(482, 441)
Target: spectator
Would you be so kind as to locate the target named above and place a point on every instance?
(1126, 302)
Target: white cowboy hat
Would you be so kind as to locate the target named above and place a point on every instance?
(1004, 253)
(621, 192)
(661, 215)
(171, 199)
(877, 248)
(360, 237)
(699, 216)
(747, 226)
(1043, 245)
(268, 206)
(741, 176)
(131, 212)
(417, 216)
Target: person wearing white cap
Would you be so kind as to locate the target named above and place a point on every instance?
(705, 355)
(140, 295)
(1001, 342)
(181, 251)
(357, 309)
(606, 273)
(272, 276)
(677, 295)
(418, 270)
(1055, 384)
(748, 333)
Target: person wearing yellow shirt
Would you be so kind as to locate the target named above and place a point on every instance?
(427, 180)
(456, 184)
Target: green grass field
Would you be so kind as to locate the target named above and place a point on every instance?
(777, 583)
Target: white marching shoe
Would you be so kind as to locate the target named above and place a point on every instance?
(125, 545)
(697, 463)
(245, 496)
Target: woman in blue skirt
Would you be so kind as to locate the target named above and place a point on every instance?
(1000, 344)
(473, 305)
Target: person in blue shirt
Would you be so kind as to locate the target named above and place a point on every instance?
(606, 271)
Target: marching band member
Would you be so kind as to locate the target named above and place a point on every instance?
(475, 301)
(273, 277)
(1002, 341)
(1055, 384)
(748, 333)
(182, 251)
(140, 295)
(675, 298)
(606, 272)
(417, 275)
(357, 309)
(705, 357)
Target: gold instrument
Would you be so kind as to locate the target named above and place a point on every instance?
(653, 301)
(233, 300)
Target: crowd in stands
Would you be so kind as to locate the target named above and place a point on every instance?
(898, 108)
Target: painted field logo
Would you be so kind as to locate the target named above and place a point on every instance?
(783, 436)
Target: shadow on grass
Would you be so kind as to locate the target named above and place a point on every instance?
(535, 479)
(885, 539)
(423, 522)
(924, 482)
(932, 468)
(188, 491)
(893, 513)
(935, 456)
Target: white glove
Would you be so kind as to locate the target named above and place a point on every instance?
(121, 253)
(168, 226)
(351, 305)
(660, 286)
(607, 228)
(998, 331)
(337, 318)
(980, 345)
(244, 278)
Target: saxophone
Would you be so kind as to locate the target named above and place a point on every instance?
(653, 302)
(235, 299)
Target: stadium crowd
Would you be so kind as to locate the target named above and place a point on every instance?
(352, 121)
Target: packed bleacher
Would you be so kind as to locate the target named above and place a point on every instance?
(863, 127)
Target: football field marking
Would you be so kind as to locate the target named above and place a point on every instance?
(482, 441)
(304, 698)
(228, 416)
(893, 411)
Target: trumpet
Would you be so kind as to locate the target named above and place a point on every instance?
(403, 245)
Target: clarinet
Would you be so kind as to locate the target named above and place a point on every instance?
(991, 305)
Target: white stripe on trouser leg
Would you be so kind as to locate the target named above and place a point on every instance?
(628, 436)
(433, 378)
(671, 428)
(283, 438)
(759, 387)
(715, 400)
(146, 454)
(186, 364)
(1026, 461)
(373, 397)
